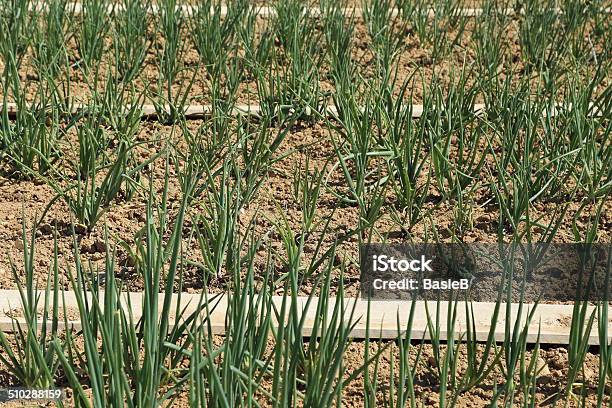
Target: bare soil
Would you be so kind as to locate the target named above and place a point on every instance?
(415, 63)
(551, 382)
(25, 200)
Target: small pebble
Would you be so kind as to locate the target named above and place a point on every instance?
(542, 367)
(99, 245)
(19, 245)
(80, 229)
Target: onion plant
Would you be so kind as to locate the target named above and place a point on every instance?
(515, 330)
(216, 230)
(416, 13)
(538, 150)
(28, 355)
(165, 361)
(440, 31)
(591, 166)
(16, 22)
(97, 177)
(51, 36)
(127, 361)
(361, 165)
(130, 38)
(405, 137)
(489, 43)
(257, 42)
(445, 369)
(388, 32)
(456, 167)
(175, 79)
(215, 35)
(87, 199)
(339, 34)
(307, 185)
(259, 150)
(404, 393)
(94, 26)
(291, 83)
(583, 320)
(525, 173)
(30, 141)
(605, 344)
(232, 372)
(356, 146)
